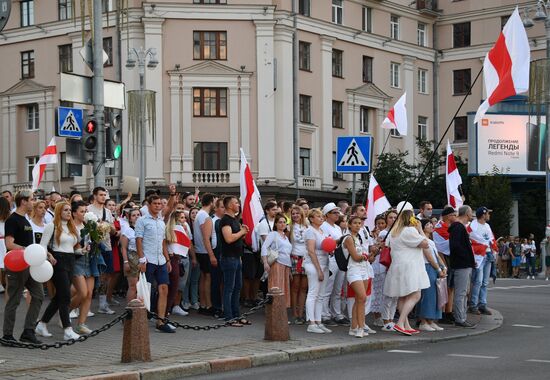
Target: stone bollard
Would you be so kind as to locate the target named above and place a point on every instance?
(135, 342)
(276, 318)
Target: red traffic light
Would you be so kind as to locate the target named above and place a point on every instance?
(91, 126)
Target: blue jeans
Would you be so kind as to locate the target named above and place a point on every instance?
(191, 290)
(480, 280)
(232, 282)
(216, 275)
(531, 266)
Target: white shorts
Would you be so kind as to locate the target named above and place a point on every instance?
(357, 273)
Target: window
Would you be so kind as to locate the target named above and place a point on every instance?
(461, 34)
(209, 1)
(394, 133)
(337, 11)
(422, 128)
(364, 119)
(337, 63)
(31, 162)
(305, 109)
(367, 19)
(394, 27)
(305, 161)
(32, 117)
(66, 58)
(27, 64)
(337, 114)
(367, 69)
(209, 45)
(422, 85)
(461, 129)
(210, 102)
(304, 7)
(65, 9)
(304, 49)
(107, 5)
(108, 47)
(461, 81)
(210, 156)
(27, 12)
(335, 174)
(421, 34)
(395, 74)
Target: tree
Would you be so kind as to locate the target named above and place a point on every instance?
(394, 175)
(431, 186)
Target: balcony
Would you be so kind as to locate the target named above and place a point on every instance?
(309, 182)
(211, 177)
(427, 6)
(21, 186)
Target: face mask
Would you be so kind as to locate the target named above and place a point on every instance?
(428, 213)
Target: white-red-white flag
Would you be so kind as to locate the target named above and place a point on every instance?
(506, 65)
(48, 157)
(182, 243)
(397, 117)
(251, 204)
(452, 180)
(377, 203)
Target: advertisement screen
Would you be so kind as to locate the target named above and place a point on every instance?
(515, 144)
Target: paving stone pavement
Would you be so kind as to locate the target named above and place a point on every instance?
(101, 354)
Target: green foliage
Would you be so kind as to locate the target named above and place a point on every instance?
(531, 212)
(394, 175)
(431, 185)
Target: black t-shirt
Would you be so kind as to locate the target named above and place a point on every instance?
(462, 255)
(234, 249)
(20, 229)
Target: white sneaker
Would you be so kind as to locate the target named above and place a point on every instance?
(546, 279)
(82, 329)
(74, 313)
(186, 305)
(378, 322)
(315, 329)
(324, 328)
(105, 310)
(436, 327)
(352, 332)
(2, 290)
(179, 311)
(113, 301)
(70, 334)
(90, 314)
(426, 327)
(172, 327)
(42, 330)
(388, 327)
(195, 306)
(360, 333)
(368, 330)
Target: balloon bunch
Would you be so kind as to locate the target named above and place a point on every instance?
(35, 257)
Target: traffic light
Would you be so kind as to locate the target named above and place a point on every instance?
(89, 136)
(113, 136)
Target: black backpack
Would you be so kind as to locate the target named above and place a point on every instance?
(341, 259)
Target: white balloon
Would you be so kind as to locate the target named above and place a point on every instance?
(35, 255)
(42, 273)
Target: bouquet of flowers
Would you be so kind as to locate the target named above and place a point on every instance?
(97, 231)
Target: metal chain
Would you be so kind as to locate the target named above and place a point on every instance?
(45, 346)
(260, 305)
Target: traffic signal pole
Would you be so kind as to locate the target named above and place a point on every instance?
(97, 87)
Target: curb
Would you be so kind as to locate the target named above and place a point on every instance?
(285, 356)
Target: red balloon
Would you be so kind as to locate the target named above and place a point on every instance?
(15, 260)
(328, 245)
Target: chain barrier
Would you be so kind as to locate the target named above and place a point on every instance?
(46, 346)
(260, 305)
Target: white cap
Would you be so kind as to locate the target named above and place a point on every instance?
(402, 206)
(330, 207)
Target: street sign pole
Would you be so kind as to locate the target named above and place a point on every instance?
(354, 155)
(353, 189)
(98, 167)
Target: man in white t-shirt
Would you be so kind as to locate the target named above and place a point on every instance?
(332, 299)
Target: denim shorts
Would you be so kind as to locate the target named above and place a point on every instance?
(157, 274)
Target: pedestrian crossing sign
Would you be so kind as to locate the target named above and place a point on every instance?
(69, 122)
(353, 154)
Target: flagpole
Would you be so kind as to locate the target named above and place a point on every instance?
(381, 152)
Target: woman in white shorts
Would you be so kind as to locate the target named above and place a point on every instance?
(357, 275)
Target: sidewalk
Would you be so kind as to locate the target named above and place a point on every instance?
(189, 352)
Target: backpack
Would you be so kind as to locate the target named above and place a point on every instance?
(339, 255)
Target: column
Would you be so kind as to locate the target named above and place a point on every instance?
(233, 150)
(187, 153)
(52, 173)
(284, 105)
(175, 127)
(6, 145)
(353, 125)
(265, 99)
(409, 142)
(12, 125)
(326, 145)
(245, 114)
(380, 133)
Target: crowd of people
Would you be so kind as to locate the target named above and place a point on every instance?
(194, 254)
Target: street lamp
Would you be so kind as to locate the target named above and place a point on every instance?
(139, 57)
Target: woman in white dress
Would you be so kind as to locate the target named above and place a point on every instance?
(406, 276)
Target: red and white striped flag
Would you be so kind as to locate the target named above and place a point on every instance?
(452, 180)
(377, 203)
(182, 244)
(506, 65)
(48, 157)
(251, 205)
(397, 117)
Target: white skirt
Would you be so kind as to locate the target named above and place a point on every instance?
(405, 278)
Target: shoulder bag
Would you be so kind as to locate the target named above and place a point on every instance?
(273, 254)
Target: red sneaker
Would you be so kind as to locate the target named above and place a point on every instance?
(401, 331)
(413, 331)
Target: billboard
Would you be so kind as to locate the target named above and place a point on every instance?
(514, 144)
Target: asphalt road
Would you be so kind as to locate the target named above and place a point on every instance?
(520, 349)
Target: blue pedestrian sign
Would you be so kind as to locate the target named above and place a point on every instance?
(69, 122)
(353, 154)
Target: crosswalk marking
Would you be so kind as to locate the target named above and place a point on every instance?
(538, 361)
(529, 326)
(405, 352)
(473, 356)
(519, 287)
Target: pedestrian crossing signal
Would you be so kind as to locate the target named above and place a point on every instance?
(89, 138)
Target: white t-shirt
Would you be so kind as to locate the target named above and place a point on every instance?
(214, 241)
(202, 217)
(298, 240)
(279, 243)
(130, 235)
(37, 231)
(314, 234)
(264, 227)
(334, 231)
(481, 232)
(2, 245)
(48, 217)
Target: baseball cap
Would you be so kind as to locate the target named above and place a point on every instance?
(402, 206)
(330, 207)
(482, 211)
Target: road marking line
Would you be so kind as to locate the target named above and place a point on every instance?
(538, 361)
(473, 356)
(405, 352)
(519, 287)
(529, 326)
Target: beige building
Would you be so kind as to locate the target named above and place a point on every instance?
(225, 81)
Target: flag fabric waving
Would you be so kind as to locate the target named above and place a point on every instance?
(441, 237)
(377, 203)
(48, 157)
(397, 117)
(452, 180)
(506, 65)
(182, 244)
(251, 205)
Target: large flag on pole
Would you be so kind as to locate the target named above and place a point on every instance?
(251, 205)
(506, 65)
(377, 203)
(397, 117)
(48, 157)
(452, 180)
